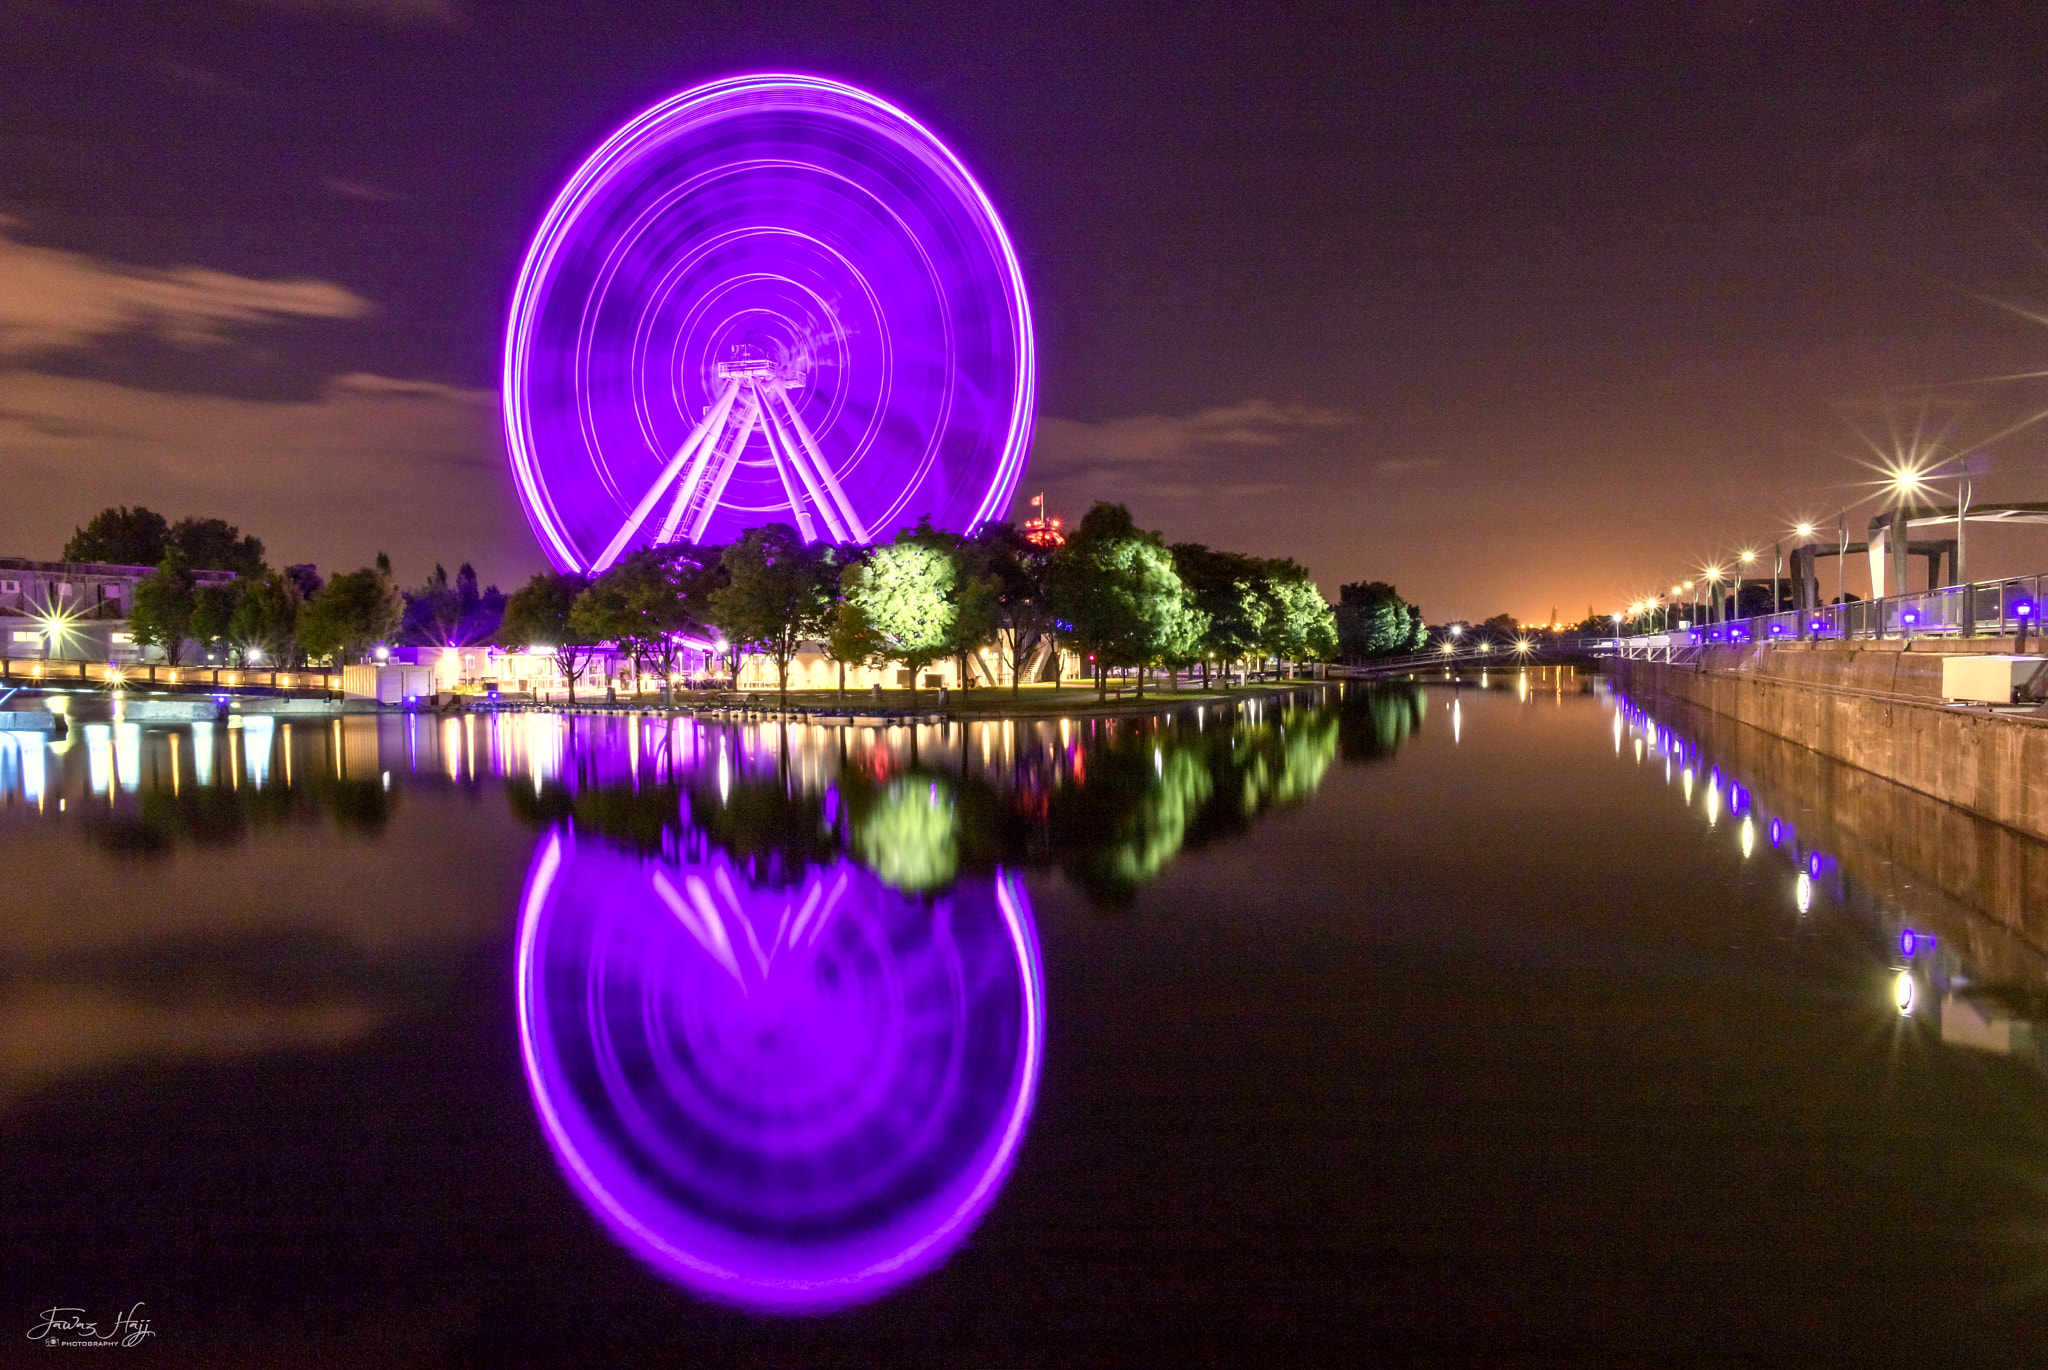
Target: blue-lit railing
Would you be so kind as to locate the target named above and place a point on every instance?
(1991, 608)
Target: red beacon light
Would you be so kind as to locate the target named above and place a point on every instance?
(1041, 531)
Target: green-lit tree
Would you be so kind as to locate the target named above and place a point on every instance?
(164, 600)
(1299, 625)
(121, 536)
(906, 590)
(351, 614)
(539, 614)
(780, 596)
(1116, 585)
(1226, 587)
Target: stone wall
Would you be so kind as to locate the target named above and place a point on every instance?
(1991, 765)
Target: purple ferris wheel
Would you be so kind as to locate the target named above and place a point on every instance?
(767, 299)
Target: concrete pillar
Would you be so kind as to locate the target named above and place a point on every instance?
(1899, 553)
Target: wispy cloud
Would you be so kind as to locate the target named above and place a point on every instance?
(1173, 455)
(358, 190)
(445, 14)
(52, 300)
(1401, 466)
(412, 467)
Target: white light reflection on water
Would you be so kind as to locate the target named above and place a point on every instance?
(128, 755)
(1904, 992)
(1748, 838)
(99, 757)
(34, 766)
(202, 752)
(259, 731)
(1713, 797)
(1688, 784)
(1802, 892)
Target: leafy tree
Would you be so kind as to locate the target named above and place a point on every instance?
(1116, 585)
(1225, 586)
(977, 604)
(121, 536)
(905, 588)
(351, 614)
(306, 577)
(439, 614)
(647, 600)
(1300, 626)
(217, 545)
(780, 596)
(266, 618)
(164, 601)
(1019, 569)
(850, 640)
(213, 608)
(539, 614)
(1183, 631)
(1374, 621)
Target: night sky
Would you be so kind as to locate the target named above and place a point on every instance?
(1520, 307)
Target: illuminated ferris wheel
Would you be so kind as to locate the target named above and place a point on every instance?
(766, 299)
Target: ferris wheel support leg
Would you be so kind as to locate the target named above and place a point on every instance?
(716, 423)
(780, 439)
(782, 464)
(742, 429)
(694, 445)
(810, 446)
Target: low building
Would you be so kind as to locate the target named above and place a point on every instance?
(73, 610)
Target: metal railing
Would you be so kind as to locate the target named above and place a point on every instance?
(1990, 608)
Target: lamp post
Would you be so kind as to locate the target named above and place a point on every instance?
(1748, 556)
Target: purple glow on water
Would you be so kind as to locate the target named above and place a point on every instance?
(789, 1099)
(820, 227)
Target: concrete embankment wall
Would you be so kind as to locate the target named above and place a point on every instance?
(1874, 706)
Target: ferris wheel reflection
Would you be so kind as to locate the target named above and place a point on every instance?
(790, 1097)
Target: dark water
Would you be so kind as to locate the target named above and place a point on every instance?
(1515, 1025)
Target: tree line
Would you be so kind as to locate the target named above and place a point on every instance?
(1114, 593)
(1119, 596)
(280, 617)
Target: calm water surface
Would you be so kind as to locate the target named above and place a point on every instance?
(1516, 1024)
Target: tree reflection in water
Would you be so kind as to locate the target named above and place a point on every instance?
(1109, 806)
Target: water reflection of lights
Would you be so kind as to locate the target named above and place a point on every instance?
(790, 1099)
(1688, 784)
(1748, 838)
(258, 731)
(1802, 892)
(1713, 797)
(1904, 991)
(1457, 722)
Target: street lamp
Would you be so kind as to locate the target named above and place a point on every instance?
(1748, 556)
